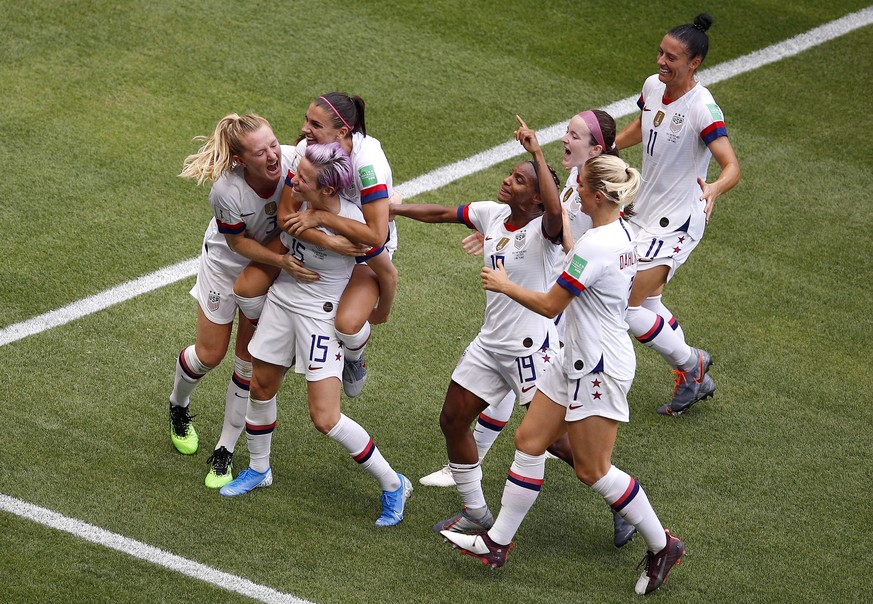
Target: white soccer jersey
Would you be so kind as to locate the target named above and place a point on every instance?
(579, 220)
(531, 260)
(675, 154)
(320, 298)
(238, 209)
(599, 272)
(373, 178)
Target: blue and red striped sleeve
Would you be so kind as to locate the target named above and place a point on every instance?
(570, 283)
(371, 253)
(713, 131)
(230, 229)
(374, 193)
(464, 216)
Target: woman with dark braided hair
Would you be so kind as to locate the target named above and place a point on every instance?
(682, 128)
(522, 230)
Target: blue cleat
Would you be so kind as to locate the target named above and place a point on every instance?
(393, 503)
(247, 480)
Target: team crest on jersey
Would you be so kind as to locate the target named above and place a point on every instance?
(676, 123)
(659, 117)
(213, 300)
(519, 239)
(270, 208)
(501, 244)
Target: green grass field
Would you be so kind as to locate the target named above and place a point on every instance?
(768, 483)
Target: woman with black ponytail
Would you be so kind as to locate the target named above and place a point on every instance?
(682, 127)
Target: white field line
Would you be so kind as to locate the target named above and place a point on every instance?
(149, 553)
(422, 184)
(447, 174)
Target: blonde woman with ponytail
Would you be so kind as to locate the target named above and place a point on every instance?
(585, 394)
(246, 166)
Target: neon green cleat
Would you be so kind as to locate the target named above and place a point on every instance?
(221, 471)
(182, 431)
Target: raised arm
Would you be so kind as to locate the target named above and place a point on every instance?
(553, 219)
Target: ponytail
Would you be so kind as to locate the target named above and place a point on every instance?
(215, 156)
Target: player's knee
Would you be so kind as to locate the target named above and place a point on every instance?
(589, 473)
(261, 390)
(211, 356)
(453, 423)
(351, 320)
(322, 422)
(526, 441)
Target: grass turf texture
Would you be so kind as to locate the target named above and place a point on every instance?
(99, 106)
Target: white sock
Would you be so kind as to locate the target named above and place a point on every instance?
(522, 488)
(351, 435)
(235, 404)
(628, 498)
(260, 423)
(353, 344)
(468, 480)
(491, 423)
(649, 329)
(251, 307)
(656, 305)
(189, 371)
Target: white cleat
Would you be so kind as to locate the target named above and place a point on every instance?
(441, 478)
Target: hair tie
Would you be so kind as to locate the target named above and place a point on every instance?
(594, 127)
(337, 113)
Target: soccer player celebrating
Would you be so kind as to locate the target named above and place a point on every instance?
(589, 134)
(297, 322)
(682, 127)
(246, 164)
(585, 393)
(337, 117)
(523, 231)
